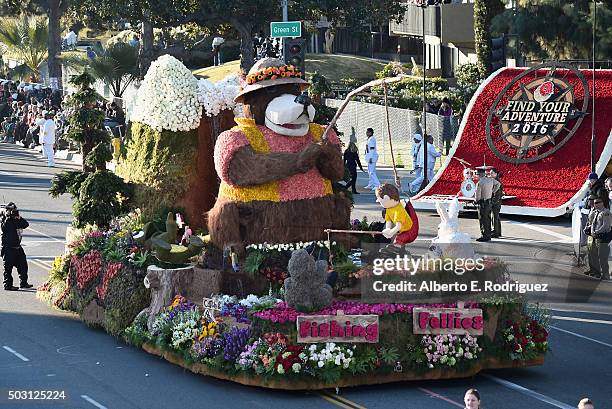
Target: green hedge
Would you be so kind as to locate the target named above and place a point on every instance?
(160, 164)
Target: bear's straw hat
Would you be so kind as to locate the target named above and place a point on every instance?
(259, 79)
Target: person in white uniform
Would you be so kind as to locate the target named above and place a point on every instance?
(49, 139)
(371, 157)
(432, 155)
(416, 144)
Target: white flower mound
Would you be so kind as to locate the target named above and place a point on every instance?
(215, 97)
(167, 98)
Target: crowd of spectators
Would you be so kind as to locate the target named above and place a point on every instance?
(25, 107)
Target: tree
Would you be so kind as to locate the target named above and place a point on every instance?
(542, 28)
(484, 11)
(54, 9)
(116, 67)
(25, 40)
(244, 16)
(99, 195)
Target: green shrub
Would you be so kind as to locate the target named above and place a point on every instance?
(159, 164)
(125, 298)
(468, 74)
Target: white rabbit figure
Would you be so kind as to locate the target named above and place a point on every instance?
(450, 242)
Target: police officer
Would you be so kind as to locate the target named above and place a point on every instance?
(11, 250)
(371, 157)
(496, 203)
(485, 189)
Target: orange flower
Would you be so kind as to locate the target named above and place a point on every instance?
(274, 77)
(283, 68)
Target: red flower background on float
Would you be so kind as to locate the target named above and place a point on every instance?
(550, 182)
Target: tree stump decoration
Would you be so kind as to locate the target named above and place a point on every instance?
(164, 285)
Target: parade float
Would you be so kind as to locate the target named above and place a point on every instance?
(535, 126)
(265, 297)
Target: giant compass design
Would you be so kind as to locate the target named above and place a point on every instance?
(536, 113)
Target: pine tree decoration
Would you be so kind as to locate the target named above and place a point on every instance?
(99, 195)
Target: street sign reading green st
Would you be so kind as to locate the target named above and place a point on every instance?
(286, 29)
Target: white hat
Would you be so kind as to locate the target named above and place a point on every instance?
(418, 137)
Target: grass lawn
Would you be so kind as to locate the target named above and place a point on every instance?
(333, 67)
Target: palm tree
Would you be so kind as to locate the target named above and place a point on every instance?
(25, 39)
(116, 67)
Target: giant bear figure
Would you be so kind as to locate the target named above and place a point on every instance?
(276, 171)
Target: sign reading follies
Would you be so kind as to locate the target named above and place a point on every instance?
(337, 328)
(456, 321)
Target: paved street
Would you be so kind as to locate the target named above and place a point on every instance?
(46, 349)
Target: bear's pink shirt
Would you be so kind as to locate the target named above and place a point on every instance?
(301, 186)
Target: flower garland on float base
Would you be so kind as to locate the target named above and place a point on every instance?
(262, 348)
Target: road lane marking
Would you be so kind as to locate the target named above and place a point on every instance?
(529, 392)
(93, 402)
(581, 311)
(582, 336)
(39, 264)
(541, 230)
(343, 399)
(17, 354)
(592, 321)
(334, 401)
(46, 235)
(444, 398)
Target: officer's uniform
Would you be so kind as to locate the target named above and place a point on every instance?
(496, 204)
(371, 157)
(12, 252)
(485, 189)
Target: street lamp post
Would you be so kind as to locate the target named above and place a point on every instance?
(593, 140)
(423, 5)
(425, 176)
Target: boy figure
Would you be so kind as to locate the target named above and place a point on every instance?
(398, 222)
(11, 250)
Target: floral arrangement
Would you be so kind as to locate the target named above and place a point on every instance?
(290, 246)
(105, 267)
(234, 342)
(168, 97)
(272, 73)
(282, 313)
(215, 97)
(329, 355)
(260, 347)
(525, 338)
(87, 267)
(111, 271)
(448, 350)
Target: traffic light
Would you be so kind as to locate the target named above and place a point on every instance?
(294, 53)
(498, 52)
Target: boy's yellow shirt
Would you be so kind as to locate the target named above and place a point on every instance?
(397, 214)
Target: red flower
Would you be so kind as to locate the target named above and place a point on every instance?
(563, 173)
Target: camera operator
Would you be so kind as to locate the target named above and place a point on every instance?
(11, 250)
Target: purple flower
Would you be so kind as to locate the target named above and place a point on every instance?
(234, 342)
